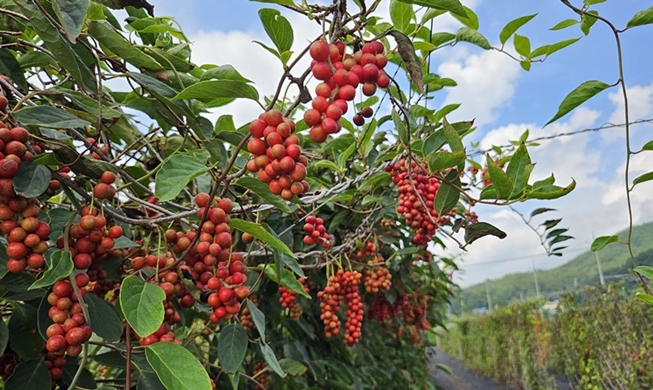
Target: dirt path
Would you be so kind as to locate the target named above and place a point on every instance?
(461, 378)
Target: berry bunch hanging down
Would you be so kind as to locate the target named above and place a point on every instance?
(316, 232)
(277, 155)
(69, 330)
(342, 288)
(287, 297)
(341, 74)
(416, 189)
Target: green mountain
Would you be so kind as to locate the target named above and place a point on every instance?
(575, 274)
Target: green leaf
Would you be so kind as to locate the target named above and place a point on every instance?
(292, 367)
(471, 20)
(578, 96)
(278, 28)
(481, 229)
(288, 279)
(10, 67)
(401, 14)
(644, 298)
(105, 322)
(175, 174)
(400, 127)
(271, 359)
(48, 116)
(502, 183)
(513, 26)
(263, 191)
(232, 347)
(176, 367)
(453, 6)
(327, 164)
(61, 265)
(142, 305)
(522, 45)
(559, 46)
(441, 38)
(214, 89)
(85, 380)
(36, 59)
(643, 178)
(519, 171)
(645, 271)
(260, 233)
(4, 336)
(24, 337)
(453, 138)
(444, 159)
(72, 14)
(586, 21)
(541, 210)
(224, 72)
(31, 180)
(466, 34)
(641, 18)
(648, 146)
(445, 110)
(109, 37)
(30, 375)
(600, 242)
(258, 317)
(411, 61)
(564, 24)
(447, 197)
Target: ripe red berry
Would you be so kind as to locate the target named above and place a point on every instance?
(319, 50)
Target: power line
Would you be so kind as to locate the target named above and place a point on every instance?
(557, 135)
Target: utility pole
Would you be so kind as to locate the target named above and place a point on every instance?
(575, 282)
(537, 283)
(489, 299)
(598, 265)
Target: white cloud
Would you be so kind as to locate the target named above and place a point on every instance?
(640, 106)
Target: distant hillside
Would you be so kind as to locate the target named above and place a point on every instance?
(614, 261)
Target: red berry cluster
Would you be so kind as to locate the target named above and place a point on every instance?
(8, 362)
(229, 288)
(54, 363)
(162, 334)
(377, 278)
(412, 191)
(296, 312)
(287, 297)
(342, 287)
(277, 155)
(26, 235)
(262, 376)
(316, 232)
(341, 74)
(104, 188)
(69, 330)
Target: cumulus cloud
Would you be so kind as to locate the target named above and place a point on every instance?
(640, 106)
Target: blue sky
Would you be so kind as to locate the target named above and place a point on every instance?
(505, 101)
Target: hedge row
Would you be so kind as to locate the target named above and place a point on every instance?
(597, 339)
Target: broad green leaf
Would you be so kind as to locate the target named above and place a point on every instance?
(258, 317)
(453, 138)
(541, 210)
(641, 18)
(43, 319)
(31, 180)
(447, 196)
(327, 164)
(648, 146)
(522, 45)
(142, 305)
(11, 67)
(519, 171)
(643, 178)
(559, 46)
(61, 265)
(48, 116)
(278, 28)
(30, 375)
(645, 271)
(586, 21)
(411, 61)
(430, 14)
(466, 34)
(441, 38)
(224, 72)
(513, 26)
(176, 367)
(292, 367)
(471, 20)
(232, 347)
(564, 24)
(401, 14)
(342, 158)
(214, 89)
(36, 59)
(288, 279)
(600, 242)
(114, 41)
(444, 159)
(72, 14)
(24, 337)
(481, 229)
(445, 110)
(105, 322)
(578, 96)
(644, 298)
(4, 336)
(260, 233)
(271, 359)
(175, 174)
(400, 127)
(453, 6)
(502, 183)
(262, 190)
